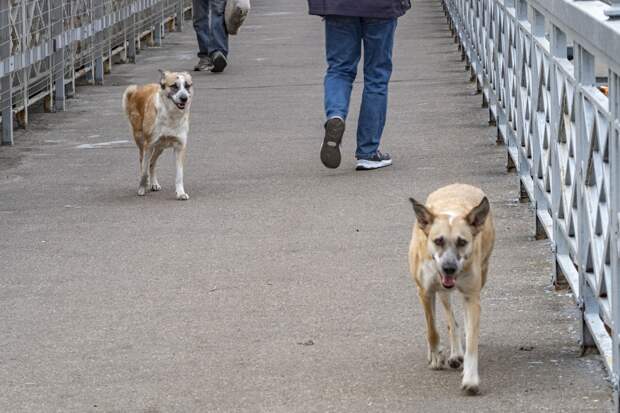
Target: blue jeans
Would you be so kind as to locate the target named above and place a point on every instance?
(344, 37)
(211, 33)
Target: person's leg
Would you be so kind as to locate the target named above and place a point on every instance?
(342, 50)
(218, 39)
(201, 26)
(378, 39)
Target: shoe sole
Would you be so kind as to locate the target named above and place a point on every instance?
(366, 165)
(330, 150)
(219, 64)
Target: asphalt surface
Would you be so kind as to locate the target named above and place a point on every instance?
(280, 286)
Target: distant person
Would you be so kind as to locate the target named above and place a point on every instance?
(211, 34)
(349, 24)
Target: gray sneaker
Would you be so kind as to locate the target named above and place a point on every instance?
(204, 64)
(378, 160)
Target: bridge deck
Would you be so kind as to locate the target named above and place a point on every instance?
(281, 286)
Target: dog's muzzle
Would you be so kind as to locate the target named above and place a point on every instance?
(181, 102)
(447, 273)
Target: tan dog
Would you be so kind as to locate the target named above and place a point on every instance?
(159, 117)
(450, 248)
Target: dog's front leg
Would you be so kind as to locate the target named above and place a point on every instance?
(435, 356)
(144, 179)
(471, 381)
(179, 153)
(456, 346)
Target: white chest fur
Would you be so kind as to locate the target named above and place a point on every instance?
(429, 275)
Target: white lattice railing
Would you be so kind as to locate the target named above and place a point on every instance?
(46, 44)
(542, 67)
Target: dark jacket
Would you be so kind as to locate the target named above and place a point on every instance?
(383, 9)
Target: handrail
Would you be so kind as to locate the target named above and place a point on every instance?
(562, 136)
(46, 44)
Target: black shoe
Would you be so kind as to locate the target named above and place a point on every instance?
(378, 160)
(330, 150)
(219, 62)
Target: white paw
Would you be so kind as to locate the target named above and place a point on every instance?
(141, 191)
(436, 360)
(471, 385)
(155, 187)
(182, 196)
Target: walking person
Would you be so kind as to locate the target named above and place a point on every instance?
(349, 26)
(212, 35)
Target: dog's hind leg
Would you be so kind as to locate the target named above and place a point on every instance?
(471, 380)
(435, 356)
(141, 149)
(179, 153)
(456, 345)
(144, 179)
(154, 183)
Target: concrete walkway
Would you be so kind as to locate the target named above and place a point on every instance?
(280, 286)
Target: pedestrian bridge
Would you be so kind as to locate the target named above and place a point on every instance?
(282, 286)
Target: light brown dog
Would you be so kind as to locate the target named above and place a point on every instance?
(450, 248)
(159, 118)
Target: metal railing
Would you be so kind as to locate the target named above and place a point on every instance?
(45, 45)
(562, 135)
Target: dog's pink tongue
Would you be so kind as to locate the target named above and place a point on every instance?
(447, 281)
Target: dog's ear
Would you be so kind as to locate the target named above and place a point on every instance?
(478, 215)
(162, 78)
(424, 216)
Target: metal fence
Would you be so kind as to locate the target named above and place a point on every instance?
(45, 45)
(541, 67)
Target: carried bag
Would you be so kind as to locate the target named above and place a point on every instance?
(235, 13)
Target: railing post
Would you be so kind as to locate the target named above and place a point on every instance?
(585, 76)
(58, 57)
(71, 90)
(6, 91)
(495, 78)
(159, 23)
(98, 14)
(22, 115)
(537, 119)
(558, 46)
(130, 32)
(180, 15)
(505, 119)
(521, 106)
(614, 107)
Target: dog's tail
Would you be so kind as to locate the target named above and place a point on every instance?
(128, 92)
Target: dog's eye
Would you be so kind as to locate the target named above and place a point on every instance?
(174, 86)
(460, 242)
(187, 85)
(439, 241)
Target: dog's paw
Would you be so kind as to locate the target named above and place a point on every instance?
(436, 360)
(182, 196)
(141, 191)
(155, 187)
(471, 387)
(455, 362)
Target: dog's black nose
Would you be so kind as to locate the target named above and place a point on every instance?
(449, 269)
(183, 98)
